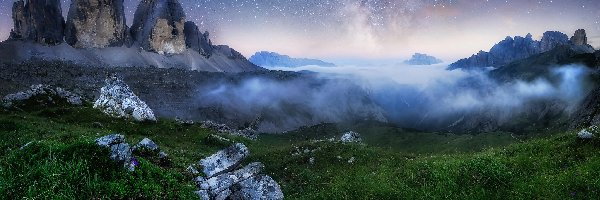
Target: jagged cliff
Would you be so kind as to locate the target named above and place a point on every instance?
(158, 26)
(38, 20)
(517, 48)
(96, 24)
(96, 34)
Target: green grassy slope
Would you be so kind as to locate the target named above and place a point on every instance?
(63, 162)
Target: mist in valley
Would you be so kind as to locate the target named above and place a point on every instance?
(428, 98)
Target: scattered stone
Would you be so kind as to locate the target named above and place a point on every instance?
(351, 137)
(46, 91)
(119, 150)
(223, 128)
(110, 140)
(224, 160)
(147, 144)
(351, 160)
(184, 122)
(311, 160)
(258, 187)
(117, 99)
(26, 145)
(588, 133)
(162, 155)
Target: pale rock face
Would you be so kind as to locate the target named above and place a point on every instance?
(580, 37)
(147, 144)
(117, 99)
(224, 160)
(158, 26)
(40, 21)
(96, 24)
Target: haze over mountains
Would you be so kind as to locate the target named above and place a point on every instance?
(272, 60)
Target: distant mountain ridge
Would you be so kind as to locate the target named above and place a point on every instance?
(513, 49)
(422, 59)
(271, 59)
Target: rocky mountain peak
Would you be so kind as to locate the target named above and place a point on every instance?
(580, 37)
(40, 21)
(197, 41)
(552, 39)
(158, 26)
(96, 24)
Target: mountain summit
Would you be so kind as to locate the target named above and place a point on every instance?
(96, 34)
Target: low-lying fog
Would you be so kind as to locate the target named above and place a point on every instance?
(421, 97)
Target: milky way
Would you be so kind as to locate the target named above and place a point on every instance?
(343, 29)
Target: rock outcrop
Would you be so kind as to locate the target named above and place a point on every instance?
(224, 160)
(96, 24)
(45, 95)
(351, 137)
(117, 100)
(120, 151)
(517, 48)
(158, 26)
(587, 133)
(225, 182)
(197, 41)
(40, 21)
(580, 38)
(422, 59)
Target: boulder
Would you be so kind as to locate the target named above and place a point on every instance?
(110, 140)
(117, 99)
(258, 187)
(224, 160)
(220, 183)
(120, 151)
(96, 24)
(39, 21)
(50, 95)
(351, 137)
(224, 182)
(588, 133)
(158, 26)
(147, 144)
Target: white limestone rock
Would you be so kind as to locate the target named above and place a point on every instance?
(117, 100)
(224, 160)
(351, 137)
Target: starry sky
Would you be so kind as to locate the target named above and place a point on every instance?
(374, 29)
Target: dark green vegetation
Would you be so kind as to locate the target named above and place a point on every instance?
(63, 162)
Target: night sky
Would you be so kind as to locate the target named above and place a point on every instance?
(374, 29)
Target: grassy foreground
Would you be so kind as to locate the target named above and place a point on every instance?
(64, 163)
